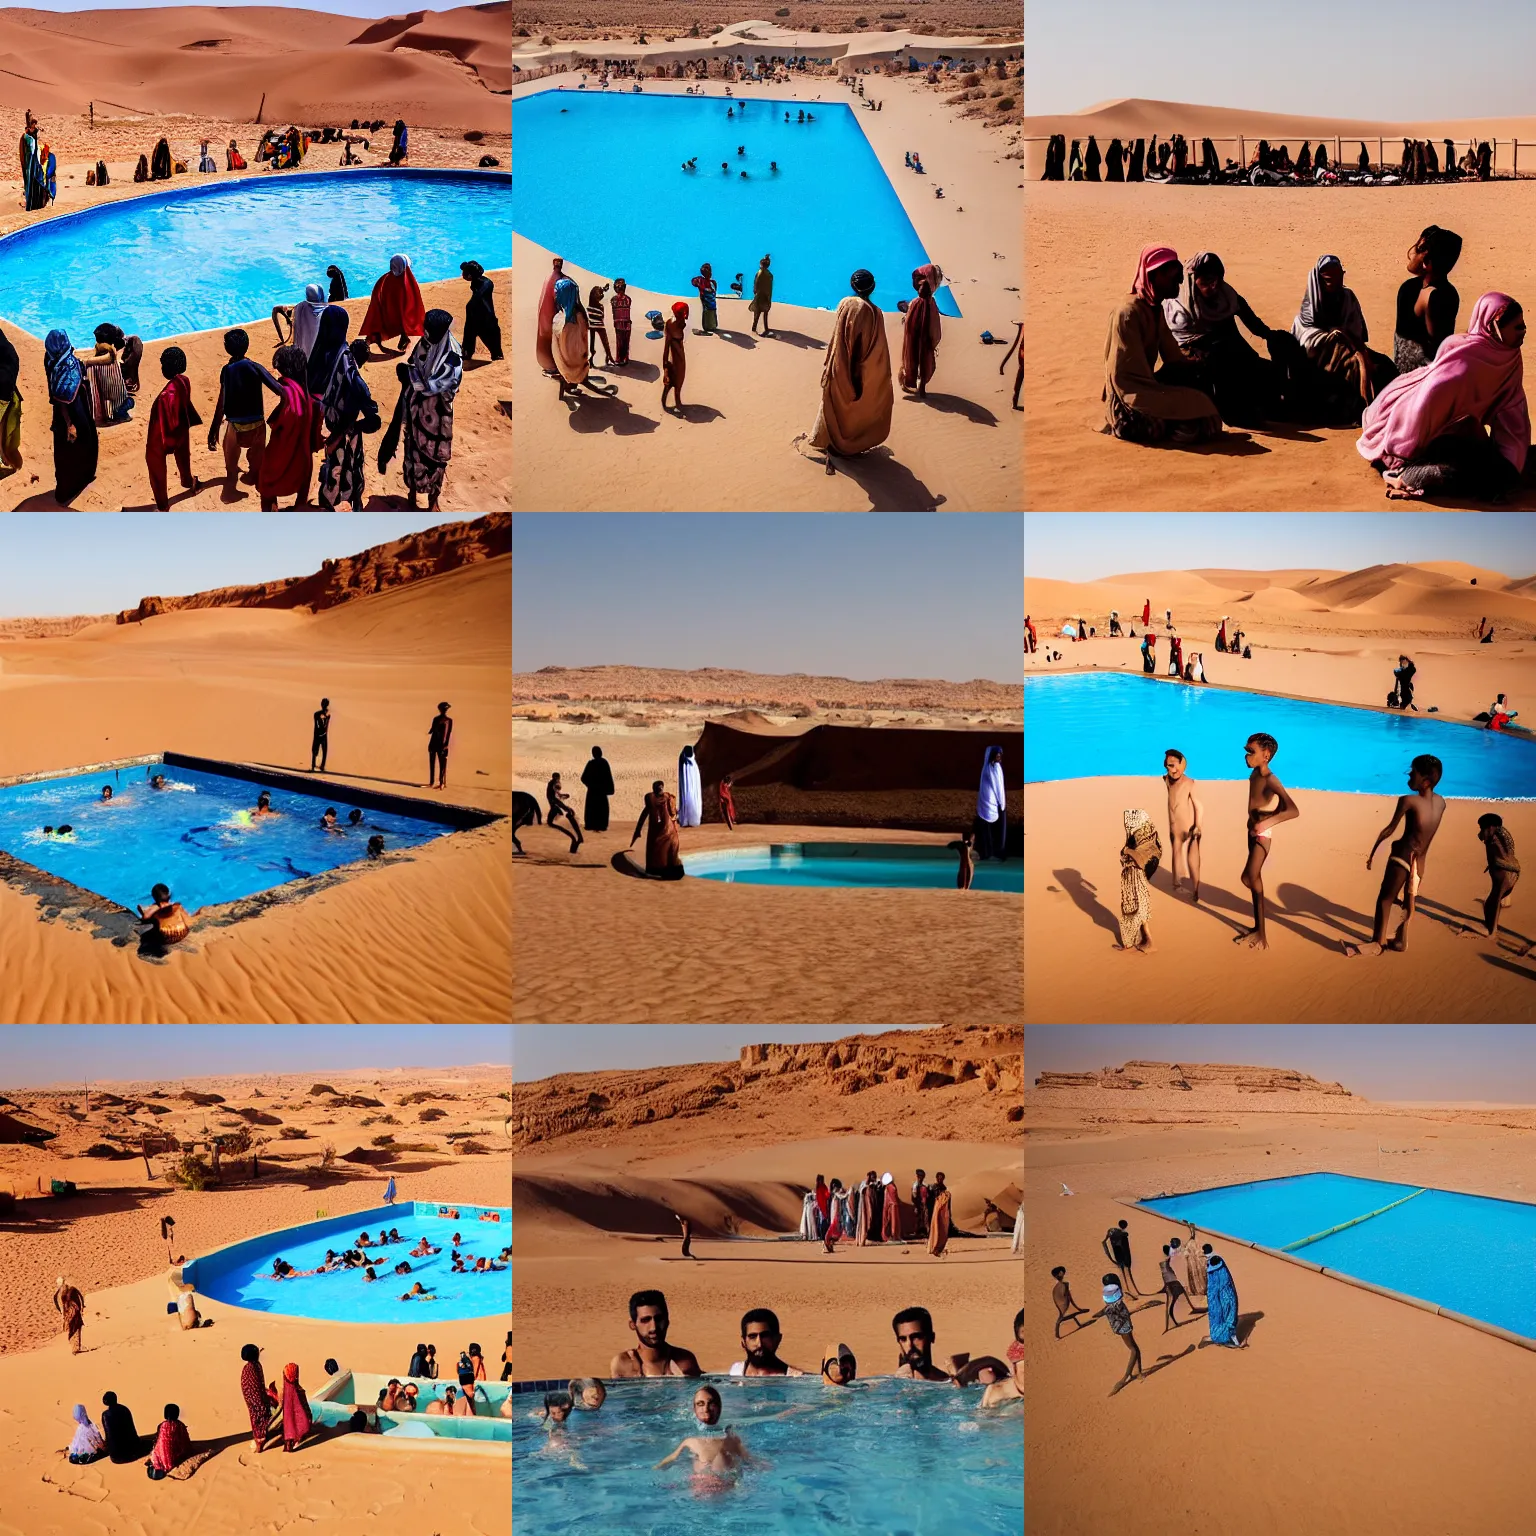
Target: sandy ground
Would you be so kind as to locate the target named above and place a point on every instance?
(960, 450)
(571, 19)
(1388, 1417)
(241, 684)
(107, 1241)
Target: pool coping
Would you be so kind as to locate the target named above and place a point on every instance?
(1423, 1305)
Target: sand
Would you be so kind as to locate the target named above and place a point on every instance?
(960, 450)
(241, 684)
(591, 1208)
(1084, 241)
(1388, 1417)
(106, 1239)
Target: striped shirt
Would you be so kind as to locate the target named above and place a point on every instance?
(595, 315)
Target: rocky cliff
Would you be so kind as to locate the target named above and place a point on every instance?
(1190, 1078)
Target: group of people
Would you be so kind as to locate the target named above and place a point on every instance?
(1444, 415)
(870, 1210)
(439, 738)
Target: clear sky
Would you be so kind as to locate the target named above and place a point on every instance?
(1446, 1063)
(1088, 546)
(841, 595)
(330, 7)
(60, 564)
(541, 1050)
(1390, 59)
(41, 1055)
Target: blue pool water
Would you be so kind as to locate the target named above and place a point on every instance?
(879, 1458)
(1110, 723)
(196, 836)
(1411, 1248)
(232, 1275)
(207, 253)
(598, 182)
(879, 865)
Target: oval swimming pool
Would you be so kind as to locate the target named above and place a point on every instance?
(207, 253)
(1111, 724)
(872, 865)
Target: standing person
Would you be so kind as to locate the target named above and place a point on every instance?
(871, 1206)
(687, 1227)
(439, 734)
(296, 1416)
(1194, 1265)
(823, 1198)
(659, 818)
(1146, 612)
(171, 419)
(572, 362)
(257, 1404)
(544, 335)
(1503, 869)
(34, 170)
(1184, 814)
(1269, 804)
(674, 360)
(70, 1304)
(1116, 1244)
(991, 826)
(288, 460)
(74, 424)
(856, 392)
(10, 408)
(1139, 856)
(1178, 1258)
(1149, 653)
(480, 322)
(727, 804)
(938, 1220)
(1175, 656)
(1067, 1310)
(597, 324)
(920, 1203)
(597, 776)
(1031, 639)
(241, 410)
(430, 381)
(1403, 672)
(1221, 1306)
(623, 326)
(1421, 813)
(921, 332)
(690, 801)
(1119, 1316)
(709, 314)
(762, 296)
(890, 1226)
(347, 411)
(320, 741)
(337, 287)
(1173, 1288)
(399, 147)
(395, 307)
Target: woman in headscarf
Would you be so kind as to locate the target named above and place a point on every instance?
(597, 777)
(111, 400)
(1142, 402)
(480, 321)
(1203, 320)
(141, 170)
(296, 1418)
(690, 798)
(709, 314)
(395, 307)
(399, 147)
(1075, 170)
(1331, 329)
(991, 808)
(939, 1223)
(233, 159)
(432, 379)
(890, 1225)
(674, 360)
(10, 407)
(257, 1403)
(659, 818)
(1221, 1302)
(1093, 161)
(1427, 304)
(74, 426)
(160, 162)
(304, 319)
(1136, 170)
(823, 1198)
(1114, 161)
(1138, 863)
(34, 173)
(542, 340)
(338, 289)
(119, 1431)
(347, 411)
(288, 461)
(87, 1445)
(327, 342)
(920, 337)
(856, 393)
(172, 1444)
(571, 338)
(808, 1224)
(1461, 426)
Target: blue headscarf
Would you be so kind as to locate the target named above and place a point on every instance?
(1221, 1301)
(330, 343)
(64, 372)
(567, 297)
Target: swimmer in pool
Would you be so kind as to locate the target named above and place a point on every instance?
(157, 782)
(588, 1393)
(423, 1248)
(106, 793)
(1007, 1390)
(419, 1292)
(328, 820)
(264, 805)
(376, 846)
(368, 1275)
(1420, 812)
(720, 1454)
(402, 1268)
(652, 1355)
(1269, 803)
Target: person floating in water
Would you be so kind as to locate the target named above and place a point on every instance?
(439, 734)
(1420, 812)
(1269, 804)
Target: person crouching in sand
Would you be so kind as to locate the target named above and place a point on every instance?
(1183, 821)
(1420, 812)
(1138, 863)
(1503, 872)
(1269, 804)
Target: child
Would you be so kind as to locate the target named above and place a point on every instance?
(727, 804)
(555, 795)
(597, 328)
(241, 408)
(171, 419)
(1420, 812)
(1119, 1316)
(1183, 820)
(1263, 818)
(619, 304)
(1067, 1310)
(967, 867)
(1173, 1288)
(480, 322)
(1503, 870)
(288, 460)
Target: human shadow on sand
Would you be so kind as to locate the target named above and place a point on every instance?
(798, 339)
(608, 413)
(889, 484)
(1525, 972)
(625, 863)
(699, 414)
(1246, 1323)
(953, 405)
(1085, 899)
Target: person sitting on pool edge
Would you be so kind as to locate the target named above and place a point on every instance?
(761, 1337)
(652, 1355)
(167, 919)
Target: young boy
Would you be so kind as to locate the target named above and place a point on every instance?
(1420, 812)
(171, 419)
(1173, 1288)
(1119, 1316)
(1183, 820)
(727, 804)
(1117, 1248)
(1067, 1310)
(619, 304)
(555, 796)
(967, 867)
(597, 325)
(241, 410)
(1268, 805)
(1503, 870)
(710, 1453)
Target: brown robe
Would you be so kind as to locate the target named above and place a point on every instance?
(1138, 337)
(938, 1225)
(570, 349)
(661, 836)
(542, 342)
(920, 340)
(857, 396)
(674, 361)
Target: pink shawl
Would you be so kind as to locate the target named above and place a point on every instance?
(1474, 377)
(296, 1417)
(1153, 257)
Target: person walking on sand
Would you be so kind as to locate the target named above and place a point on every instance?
(727, 804)
(75, 444)
(1194, 1265)
(690, 800)
(1116, 1244)
(1503, 871)
(257, 1403)
(1067, 1310)
(1221, 1307)
(857, 394)
(320, 741)
(623, 325)
(558, 807)
(1178, 1258)
(921, 332)
(1139, 858)
(543, 337)
(939, 1219)
(70, 1304)
(762, 296)
(920, 1203)
(687, 1227)
(439, 734)
(674, 360)
(1183, 822)
(890, 1226)
(597, 777)
(1421, 812)
(659, 818)
(1402, 692)
(1269, 804)
(1146, 612)
(1119, 1316)
(1173, 1288)
(597, 325)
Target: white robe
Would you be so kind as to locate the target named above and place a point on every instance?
(808, 1219)
(690, 797)
(990, 799)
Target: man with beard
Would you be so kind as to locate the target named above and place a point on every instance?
(652, 1356)
(760, 1337)
(914, 1339)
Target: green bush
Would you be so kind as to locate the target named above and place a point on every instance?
(293, 1133)
(189, 1171)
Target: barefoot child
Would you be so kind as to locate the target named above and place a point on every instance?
(171, 420)
(597, 325)
(1268, 805)
(555, 795)
(1503, 869)
(241, 410)
(967, 868)
(622, 324)
(1420, 812)
(1183, 820)
(1139, 856)
(1067, 1310)
(1119, 1316)
(723, 1453)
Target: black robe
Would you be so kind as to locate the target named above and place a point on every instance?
(1134, 171)
(160, 162)
(1093, 160)
(598, 777)
(480, 322)
(117, 1429)
(1114, 162)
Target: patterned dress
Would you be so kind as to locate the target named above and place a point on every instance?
(1144, 849)
(347, 401)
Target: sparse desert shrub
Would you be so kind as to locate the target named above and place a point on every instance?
(327, 1155)
(471, 1149)
(234, 1141)
(783, 10)
(861, 21)
(969, 79)
(426, 1116)
(1004, 104)
(189, 1171)
(693, 31)
(105, 1149)
(386, 1140)
(816, 27)
(293, 1133)
(416, 1146)
(521, 32)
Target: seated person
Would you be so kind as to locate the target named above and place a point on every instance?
(167, 920)
(233, 159)
(1331, 329)
(1426, 302)
(1203, 319)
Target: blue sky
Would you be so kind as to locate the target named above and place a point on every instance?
(541, 1050)
(1447, 1063)
(40, 1055)
(862, 596)
(52, 563)
(1088, 546)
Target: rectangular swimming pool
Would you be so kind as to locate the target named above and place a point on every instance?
(489, 1431)
(1469, 1254)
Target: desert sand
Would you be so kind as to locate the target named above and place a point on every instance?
(734, 1146)
(194, 72)
(240, 683)
(959, 450)
(723, 952)
(106, 1240)
(1084, 241)
(1388, 1417)
(1327, 635)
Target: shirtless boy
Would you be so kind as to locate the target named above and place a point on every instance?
(1268, 805)
(1420, 813)
(652, 1355)
(1503, 872)
(1183, 820)
(710, 1453)
(1067, 1310)
(555, 795)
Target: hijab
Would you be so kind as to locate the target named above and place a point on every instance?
(338, 283)
(1321, 311)
(1152, 257)
(329, 343)
(990, 796)
(64, 379)
(306, 318)
(399, 265)
(1476, 376)
(1191, 315)
(437, 366)
(10, 367)
(87, 1440)
(568, 297)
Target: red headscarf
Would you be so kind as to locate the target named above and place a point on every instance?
(1153, 257)
(680, 310)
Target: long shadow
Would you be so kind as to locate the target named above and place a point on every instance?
(1291, 434)
(889, 484)
(953, 405)
(743, 339)
(1525, 972)
(43, 501)
(625, 865)
(644, 373)
(1246, 1323)
(1086, 899)
(699, 414)
(1164, 1361)
(1301, 902)
(1230, 445)
(608, 413)
(367, 778)
(798, 339)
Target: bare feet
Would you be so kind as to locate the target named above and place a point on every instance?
(1196, 897)
(1352, 950)
(1252, 937)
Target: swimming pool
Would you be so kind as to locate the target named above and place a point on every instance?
(1113, 723)
(1466, 1253)
(828, 211)
(206, 253)
(878, 865)
(882, 1457)
(486, 1432)
(197, 834)
(233, 1274)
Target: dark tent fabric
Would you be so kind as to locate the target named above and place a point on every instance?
(13, 1132)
